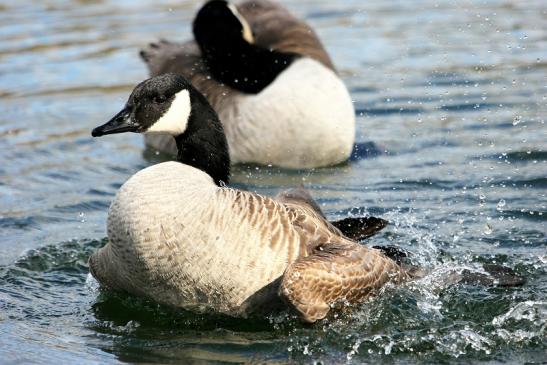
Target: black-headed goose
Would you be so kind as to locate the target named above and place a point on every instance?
(270, 80)
(178, 235)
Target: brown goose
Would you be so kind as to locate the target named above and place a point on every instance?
(178, 235)
(270, 80)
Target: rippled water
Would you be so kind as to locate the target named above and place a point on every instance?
(451, 103)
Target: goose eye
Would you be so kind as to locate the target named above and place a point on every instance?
(159, 99)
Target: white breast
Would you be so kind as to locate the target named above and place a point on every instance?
(305, 118)
(176, 237)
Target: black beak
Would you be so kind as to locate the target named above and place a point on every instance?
(119, 124)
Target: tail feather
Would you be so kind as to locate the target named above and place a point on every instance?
(495, 275)
(492, 274)
(150, 51)
(395, 253)
(360, 228)
(164, 56)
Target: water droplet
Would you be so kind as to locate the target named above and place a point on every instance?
(501, 204)
(388, 347)
(517, 119)
(488, 229)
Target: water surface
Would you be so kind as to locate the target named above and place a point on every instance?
(451, 103)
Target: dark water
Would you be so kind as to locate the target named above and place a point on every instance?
(451, 102)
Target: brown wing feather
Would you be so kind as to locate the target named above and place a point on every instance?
(297, 196)
(335, 272)
(331, 268)
(354, 228)
(275, 27)
(310, 219)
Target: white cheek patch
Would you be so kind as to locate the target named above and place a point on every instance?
(247, 33)
(175, 119)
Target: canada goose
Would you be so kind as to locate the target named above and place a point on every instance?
(270, 80)
(178, 235)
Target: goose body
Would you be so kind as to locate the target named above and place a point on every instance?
(179, 236)
(197, 246)
(303, 118)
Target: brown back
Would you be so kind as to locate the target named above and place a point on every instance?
(274, 27)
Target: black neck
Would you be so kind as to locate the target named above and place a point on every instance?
(203, 145)
(244, 66)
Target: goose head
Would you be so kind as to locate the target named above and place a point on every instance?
(218, 21)
(169, 104)
(158, 105)
(230, 53)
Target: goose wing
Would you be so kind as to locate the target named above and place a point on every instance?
(355, 228)
(337, 272)
(274, 27)
(299, 196)
(331, 269)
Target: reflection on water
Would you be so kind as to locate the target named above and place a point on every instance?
(451, 106)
